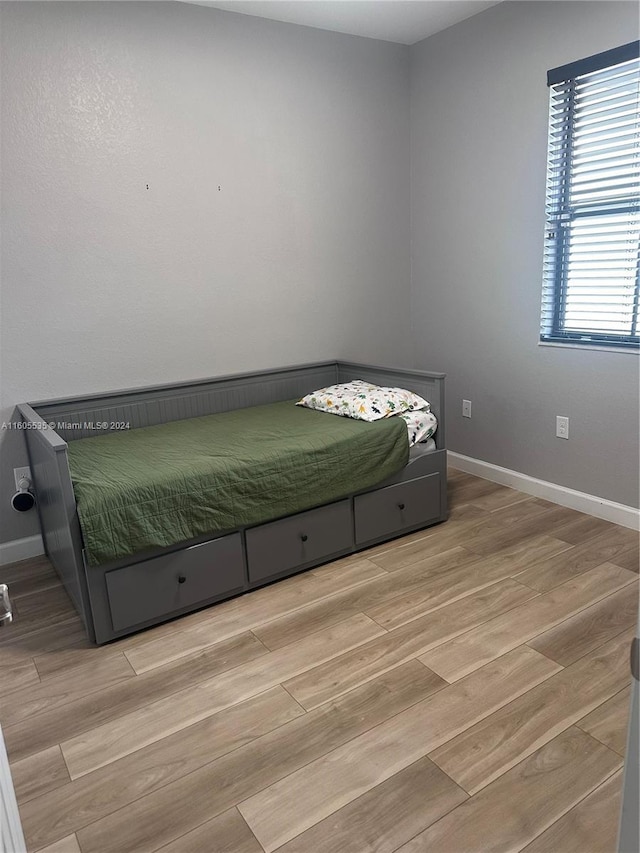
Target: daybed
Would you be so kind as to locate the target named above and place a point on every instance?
(122, 583)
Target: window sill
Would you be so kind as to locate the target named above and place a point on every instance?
(625, 350)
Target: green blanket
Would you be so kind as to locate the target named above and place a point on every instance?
(161, 485)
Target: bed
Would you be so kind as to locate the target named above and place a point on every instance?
(140, 533)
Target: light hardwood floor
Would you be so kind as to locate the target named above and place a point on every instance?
(460, 690)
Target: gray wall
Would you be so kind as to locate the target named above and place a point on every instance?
(479, 106)
(303, 254)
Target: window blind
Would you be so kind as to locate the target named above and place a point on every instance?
(592, 243)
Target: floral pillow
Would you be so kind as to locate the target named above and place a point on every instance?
(363, 401)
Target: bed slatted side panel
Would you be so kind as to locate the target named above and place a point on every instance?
(147, 407)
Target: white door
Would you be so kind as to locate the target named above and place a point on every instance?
(11, 837)
(629, 835)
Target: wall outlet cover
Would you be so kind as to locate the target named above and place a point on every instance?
(20, 474)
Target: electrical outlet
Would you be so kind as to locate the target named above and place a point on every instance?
(562, 427)
(466, 408)
(22, 473)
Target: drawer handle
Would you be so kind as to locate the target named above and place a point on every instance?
(304, 537)
(400, 506)
(181, 579)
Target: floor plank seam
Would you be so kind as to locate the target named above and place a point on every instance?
(66, 670)
(553, 624)
(528, 642)
(51, 584)
(160, 787)
(209, 817)
(577, 613)
(576, 575)
(66, 765)
(528, 586)
(455, 600)
(628, 704)
(595, 737)
(507, 767)
(200, 679)
(349, 740)
(255, 625)
(11, 641)
(266, 648)
(431, 533)
(370, 791)
(562, 813)
(386, 630)
(342, 746)
(175, 841)
(312, 633)
(373, 677)
(6, 690)
(506, 506)
(565, 724)
(129, 664)
(26, 635)
(570, 809)
(45, 710)
(249, 828)
(407, 841)
(302, 708)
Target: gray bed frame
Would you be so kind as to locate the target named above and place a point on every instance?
(125, 596)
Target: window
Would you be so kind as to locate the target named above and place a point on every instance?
(592, 242)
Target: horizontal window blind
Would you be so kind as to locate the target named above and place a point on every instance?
(592, 243)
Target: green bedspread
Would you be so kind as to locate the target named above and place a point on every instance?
(161, 485)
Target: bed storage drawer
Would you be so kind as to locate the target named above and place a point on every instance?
(396, 508)
(303, 539)
(174, 581)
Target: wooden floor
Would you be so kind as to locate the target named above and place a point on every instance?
(462, 689)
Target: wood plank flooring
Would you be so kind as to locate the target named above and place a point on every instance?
(462, 689)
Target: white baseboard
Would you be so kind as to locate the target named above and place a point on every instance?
(627, 516)
(21, 549)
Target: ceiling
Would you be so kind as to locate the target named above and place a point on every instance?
(402, 21)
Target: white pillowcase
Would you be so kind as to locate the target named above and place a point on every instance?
(421, 425)
(363, 401)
